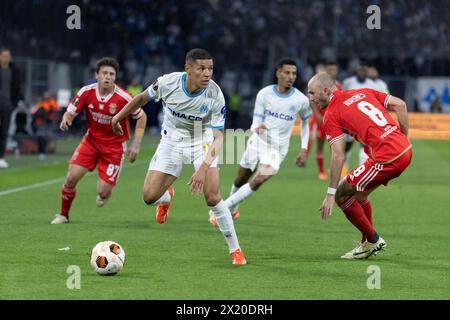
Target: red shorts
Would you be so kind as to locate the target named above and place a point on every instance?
(109, 159)
(316, 129)
(371, 174)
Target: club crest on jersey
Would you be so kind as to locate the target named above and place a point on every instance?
(204, 109)
(292, 109)
(112, 108)
(101, 106)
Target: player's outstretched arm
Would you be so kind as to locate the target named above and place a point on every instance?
(337, 161)
(198, 178)
(399, 107)
(137, 102)
(138, 134)
(66, 121)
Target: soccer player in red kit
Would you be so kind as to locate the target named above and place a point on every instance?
(100, 147)
(316, 122)
(362, 113)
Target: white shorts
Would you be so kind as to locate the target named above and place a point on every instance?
(258, 151)
(170, 156)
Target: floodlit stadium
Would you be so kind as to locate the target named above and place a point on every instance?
(224, 150)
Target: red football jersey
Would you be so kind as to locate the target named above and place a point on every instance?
(101, 110)
(363, 114)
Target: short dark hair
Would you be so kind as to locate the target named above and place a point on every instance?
(284, 61)
(197, 54)
(331, 63)
(107, 61)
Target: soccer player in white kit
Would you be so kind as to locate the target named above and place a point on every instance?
(276, 108)
(192, 132)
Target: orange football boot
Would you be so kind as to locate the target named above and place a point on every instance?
(238, 257)
(162, 210)
(323, 176)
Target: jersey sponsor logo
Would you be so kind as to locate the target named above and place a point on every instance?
(204, 109)
(112, 108)
(182, 115)
(101, 118)
(355, 98)
(281, 116)
(387, 131)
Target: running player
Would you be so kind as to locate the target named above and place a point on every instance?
(192, 132)
(362, 113)
(100, 147)
(276, 109)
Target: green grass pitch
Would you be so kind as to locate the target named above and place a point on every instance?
(291, 252)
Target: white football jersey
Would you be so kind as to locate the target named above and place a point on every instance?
(278, 113)
(381, 86)
(188, 116)
(353, 83)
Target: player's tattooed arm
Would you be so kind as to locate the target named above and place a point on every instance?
(399, 107)
(337, 161)
(135, 103)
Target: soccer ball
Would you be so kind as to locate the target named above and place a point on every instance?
(107, 258)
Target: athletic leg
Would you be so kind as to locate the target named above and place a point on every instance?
(222, 215)
(158, 192)
(68, 192)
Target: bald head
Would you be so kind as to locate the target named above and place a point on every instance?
(320, 88)
(323, 79)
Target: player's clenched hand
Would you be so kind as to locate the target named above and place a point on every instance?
(116, 127)
(65, 123)
(301, 158)
(327, 206)
(198, 180)
(261, 129)
(132, 153)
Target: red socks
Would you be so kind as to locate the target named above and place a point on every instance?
(319, 159)
(365, 205)
(358, 217)
(67, 196)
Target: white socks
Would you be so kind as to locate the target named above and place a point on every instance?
(226, 226)
(233, 189)
(165, 199)
(238, 196)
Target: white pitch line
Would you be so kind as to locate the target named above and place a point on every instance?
(50, 182)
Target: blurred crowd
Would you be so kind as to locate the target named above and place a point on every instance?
(150, 36)
(246, 37)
